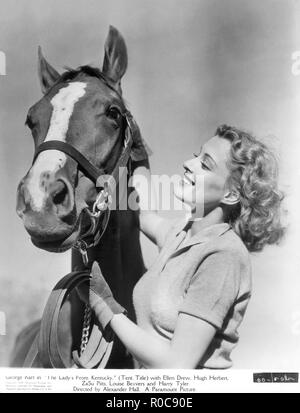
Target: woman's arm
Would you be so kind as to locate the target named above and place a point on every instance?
(191, 339)
(151, 224)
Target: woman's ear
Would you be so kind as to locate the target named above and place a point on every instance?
(231, 198)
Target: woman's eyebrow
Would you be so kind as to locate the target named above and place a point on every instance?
(207, 155)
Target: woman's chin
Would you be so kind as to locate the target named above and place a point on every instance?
(194, 212)
(184, 198)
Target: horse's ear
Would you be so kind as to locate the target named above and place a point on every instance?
(47, 74)
(115, 56)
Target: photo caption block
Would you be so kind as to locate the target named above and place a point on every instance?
(132, 381)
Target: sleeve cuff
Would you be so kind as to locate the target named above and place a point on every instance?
(205, 316)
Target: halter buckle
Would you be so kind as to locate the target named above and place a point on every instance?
(103, 201)
(82, 247)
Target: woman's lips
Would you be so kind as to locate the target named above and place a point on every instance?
(187, 179)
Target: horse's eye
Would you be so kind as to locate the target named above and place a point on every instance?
(113, 113)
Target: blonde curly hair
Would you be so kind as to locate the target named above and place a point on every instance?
(254, 176)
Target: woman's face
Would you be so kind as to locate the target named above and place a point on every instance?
(203, 185)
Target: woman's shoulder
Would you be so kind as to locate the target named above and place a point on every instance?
(228, 255)
(229, 244)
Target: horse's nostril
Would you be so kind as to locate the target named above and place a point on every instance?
(63, 200)
(60, 193)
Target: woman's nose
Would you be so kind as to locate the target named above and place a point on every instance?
(188, 166)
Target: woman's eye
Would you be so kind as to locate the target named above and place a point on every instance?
(113, 113)
(204, 166)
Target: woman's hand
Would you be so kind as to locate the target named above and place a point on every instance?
(99, 297)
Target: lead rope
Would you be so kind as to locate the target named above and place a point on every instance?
(102, 203)
(82, 247)
(85, 328)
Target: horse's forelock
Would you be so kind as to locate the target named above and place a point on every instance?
(71, 74)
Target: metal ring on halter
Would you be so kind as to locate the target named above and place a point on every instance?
(103, 201)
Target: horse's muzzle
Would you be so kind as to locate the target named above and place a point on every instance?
(54, 216)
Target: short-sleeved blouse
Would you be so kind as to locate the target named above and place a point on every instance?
(207, 276)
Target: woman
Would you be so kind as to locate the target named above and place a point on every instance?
(191, 301)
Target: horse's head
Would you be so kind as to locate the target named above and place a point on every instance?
(83, 108)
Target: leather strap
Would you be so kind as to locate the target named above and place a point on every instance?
(32, 353)
(99, 347)
(95, 173)
(100, 343)
(90, 170)
(85, 165)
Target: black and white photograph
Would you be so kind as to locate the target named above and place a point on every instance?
(149, 213)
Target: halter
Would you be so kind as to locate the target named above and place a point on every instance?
(104, 199)
(96, 347)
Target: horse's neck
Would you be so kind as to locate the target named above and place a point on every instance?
(119, 255)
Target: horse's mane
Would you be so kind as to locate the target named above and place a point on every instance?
(71, 74)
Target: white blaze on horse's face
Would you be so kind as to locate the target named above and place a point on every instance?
(49, 162)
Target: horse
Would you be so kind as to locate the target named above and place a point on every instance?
(81, 123)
